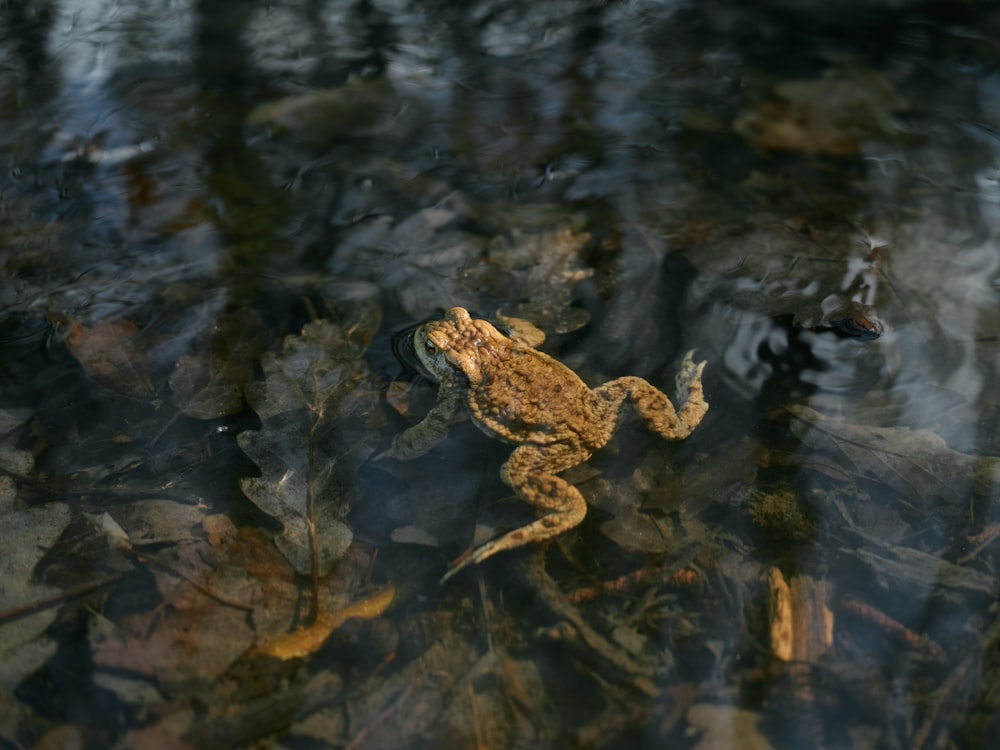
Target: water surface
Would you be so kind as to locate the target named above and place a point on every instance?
(216, 217)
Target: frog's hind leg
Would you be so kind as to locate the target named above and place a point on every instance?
(531, 473)
(653, 405)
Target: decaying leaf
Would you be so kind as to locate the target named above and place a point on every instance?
(921, 572)
(918, 464)
(431, 264)
(203, 625)
(107, 527)
(306, 458)
(425, 264)
(641, 532)
(25, 536)
(451, 694)
(545, 269)
(209, 383)
(523, 330)
(108, 353)
(152, 522)
(834, 114)
(305, 641)
(397, 395)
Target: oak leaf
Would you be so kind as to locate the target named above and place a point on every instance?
(307, 459)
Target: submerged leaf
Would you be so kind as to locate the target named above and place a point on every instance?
(430, 262)
(302, 449)
(108, 353)
(25, 536)
(722, 726)
(544, 270)
(203, 625)
(915, 463)
(833, 114)
(305, 641)
(324, 117)
(921, 572)
(209, 383)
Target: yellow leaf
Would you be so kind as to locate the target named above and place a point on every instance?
(305, 641)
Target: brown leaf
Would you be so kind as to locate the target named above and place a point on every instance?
(202, 627)
(108, 354)
(833, 114)
(209, 383)
(397, 395)
(545, 268)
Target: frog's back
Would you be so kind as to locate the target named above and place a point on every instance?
(531, 398)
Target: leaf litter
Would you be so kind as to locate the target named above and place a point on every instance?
(308, 389)
(26, 535)
(427, 676)
(210, 382)
(108, 353)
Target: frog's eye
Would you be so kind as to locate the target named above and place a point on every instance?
(430, 349)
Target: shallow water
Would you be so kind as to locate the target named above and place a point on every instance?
(216, 217)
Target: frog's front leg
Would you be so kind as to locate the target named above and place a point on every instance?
(421, 437)
(531, 472)
(653, 405)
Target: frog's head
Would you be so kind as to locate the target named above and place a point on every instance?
(455, 344)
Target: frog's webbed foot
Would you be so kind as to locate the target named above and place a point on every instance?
(689, 394)
(688, 381)
(412, 443)
(531, 473)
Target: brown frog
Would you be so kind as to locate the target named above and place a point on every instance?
(522, 396)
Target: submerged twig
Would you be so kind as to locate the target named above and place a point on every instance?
(575, 627)
(892, 627)
(63, 596)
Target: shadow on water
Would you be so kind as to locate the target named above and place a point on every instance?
(217, 215)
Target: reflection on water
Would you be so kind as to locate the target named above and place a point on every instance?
(215, 216)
